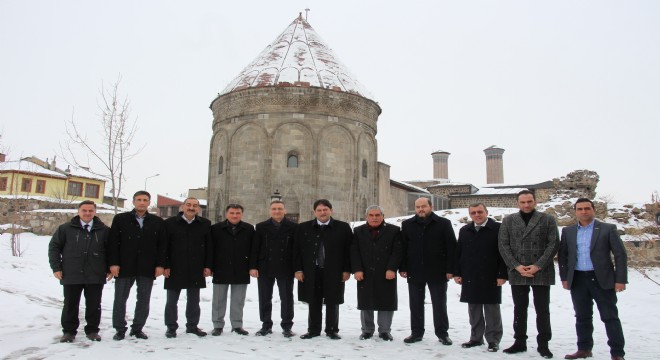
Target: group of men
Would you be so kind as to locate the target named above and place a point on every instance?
(322, 253)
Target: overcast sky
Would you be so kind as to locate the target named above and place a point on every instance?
(561, 85)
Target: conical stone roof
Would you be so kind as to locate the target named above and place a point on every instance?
(298, 57)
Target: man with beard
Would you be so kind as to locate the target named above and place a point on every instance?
(375, 258)
(321, 261)
(528, 243)
(271, 262)
(429, 243)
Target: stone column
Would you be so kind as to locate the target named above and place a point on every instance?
(494, 165)
(440, 164)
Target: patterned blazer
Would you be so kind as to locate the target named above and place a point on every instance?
(533, 244)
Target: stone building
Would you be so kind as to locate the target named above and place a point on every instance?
(295, 121)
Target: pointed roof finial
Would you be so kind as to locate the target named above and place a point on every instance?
(306, 13)
(300, 15)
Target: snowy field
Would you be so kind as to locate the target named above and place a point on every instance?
(31, 301)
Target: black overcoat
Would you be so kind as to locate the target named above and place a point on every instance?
(272, 253)
(337, 240)
(231, 252)
(479, 264)
(429, 247)
(79, 254)
(374, 256)
(137, 251)
(187, 252)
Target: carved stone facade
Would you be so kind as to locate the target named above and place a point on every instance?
(306, 142)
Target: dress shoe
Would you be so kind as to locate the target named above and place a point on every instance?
(365, 336)
(197, 331)
(545, 352)
(580, 354)
(445, 340)
(93, 336)
(386, 336)
(617, 357)
(412, 339)
(517, 347)
(309, 335)
(138, 334)
(240, 331)
(119, 335)
(170, 333)
(216, 332)
(288, 333)
(264, 332)
(471, 343)
(493, 347)
(333, 336)
(67, 338)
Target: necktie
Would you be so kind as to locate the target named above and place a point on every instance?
(478, 227)
(86, 227)
(320, 260)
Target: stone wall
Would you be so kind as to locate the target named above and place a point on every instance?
(643, 253)
(447, 190)
(45, 223)
(460, 201)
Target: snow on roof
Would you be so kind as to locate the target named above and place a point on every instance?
(298, 55)
(413, 187)
(181, 199)
(450, 184)
(27, 166)
(492, 191)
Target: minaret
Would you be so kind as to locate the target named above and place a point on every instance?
(494, 165)
(440, 164)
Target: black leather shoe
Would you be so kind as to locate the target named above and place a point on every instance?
(197, 331)
(445, 340)
(93, 336)
(333, 336)
(545, 352)
(492, 347)
(365, 336)
(138, 334)
(216, 332)
(119, 335)
(170, 333)
(580, 354)
(309, 335)
(288, 333)
(240, 331)
(67, 338)
(386, 336)
(517, 347)
(471, 344)
(412, 339)
(263, 332)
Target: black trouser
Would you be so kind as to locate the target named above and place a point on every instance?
(314, 320)
(72, 293)
(584, 290)
(172, 309)
(285, 287)
(520, 294)
(122, 290)
(416, 294)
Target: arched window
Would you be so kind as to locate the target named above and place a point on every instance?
(220, 165)
(292, 160)
(364, 168)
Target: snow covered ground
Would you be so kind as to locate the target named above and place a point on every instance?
(31, 297)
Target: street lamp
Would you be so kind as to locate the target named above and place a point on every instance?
(276, 196)
(147, 178)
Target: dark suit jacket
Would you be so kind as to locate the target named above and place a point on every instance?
(137, 250)
(605, 242)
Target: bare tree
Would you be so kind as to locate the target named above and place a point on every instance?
(114, 149)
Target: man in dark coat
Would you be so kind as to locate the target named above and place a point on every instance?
(136, 254)
(587, 270)
(481, 272)
(77, 256)
(321, 261)
(188, 262)
(232, 244)
(375, 258)
(271, 262)
(528, 243)
(429, 243)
